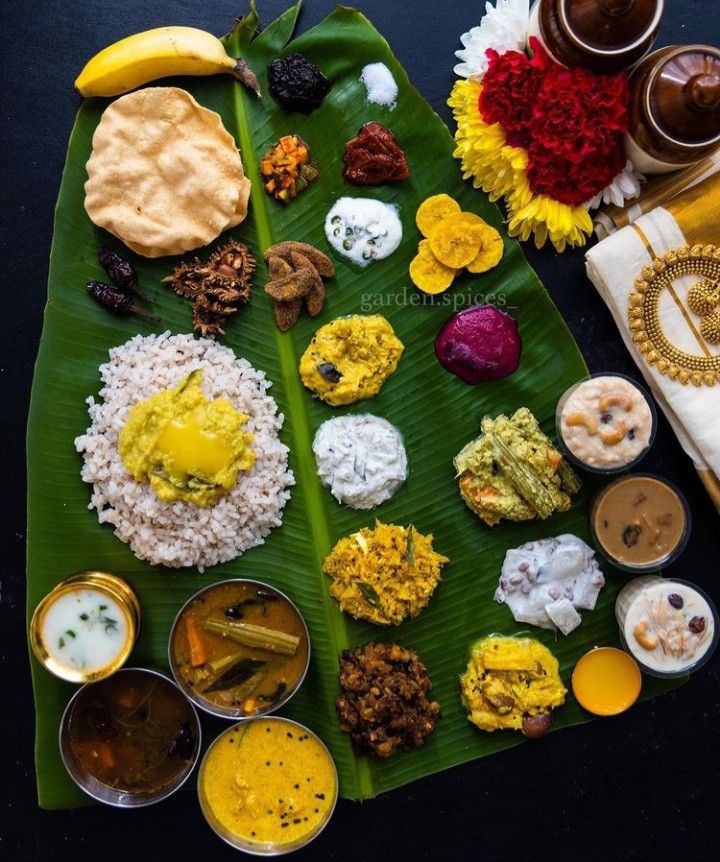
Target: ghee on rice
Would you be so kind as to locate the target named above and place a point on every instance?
(181, 534)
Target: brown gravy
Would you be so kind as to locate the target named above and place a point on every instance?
(639, 520)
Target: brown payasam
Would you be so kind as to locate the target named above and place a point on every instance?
(384, 704)
(216, 286)
(296, 271)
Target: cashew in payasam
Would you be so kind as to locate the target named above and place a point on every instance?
(583, 419)
(615, 399)
(640, 633)
(612, 438)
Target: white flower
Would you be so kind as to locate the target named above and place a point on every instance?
(626, 185)
(503, 27)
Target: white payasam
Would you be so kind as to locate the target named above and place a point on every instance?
(361, 459)
(180, 533)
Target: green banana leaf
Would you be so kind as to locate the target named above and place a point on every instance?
(435, 411)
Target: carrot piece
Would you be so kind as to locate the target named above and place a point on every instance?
(198, 653)
(127, 697)
(104, 754)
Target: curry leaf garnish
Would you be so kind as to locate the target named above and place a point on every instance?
(191, 483)
(370, 595)
(61, 643)
(70, 633)
(277, 695)
(240, 672)
(329, 371)
(410, 548)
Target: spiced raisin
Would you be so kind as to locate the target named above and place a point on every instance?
(631, 535)
(697, 625)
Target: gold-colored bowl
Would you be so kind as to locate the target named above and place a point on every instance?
(103, 582)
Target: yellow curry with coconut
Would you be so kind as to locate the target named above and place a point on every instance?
(267, 782)
(186, 446)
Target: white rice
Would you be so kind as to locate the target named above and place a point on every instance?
(182, 534)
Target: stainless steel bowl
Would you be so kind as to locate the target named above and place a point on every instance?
(110, 795)
(229, 712)
(257, 848)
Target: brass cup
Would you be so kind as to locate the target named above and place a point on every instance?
(104, 582)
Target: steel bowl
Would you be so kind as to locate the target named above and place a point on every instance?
(230, 712)
(111, 795)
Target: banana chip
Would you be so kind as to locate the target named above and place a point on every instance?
(455, 241)
(164, 176)
(433, 210)
(427, 273)
(490, 254)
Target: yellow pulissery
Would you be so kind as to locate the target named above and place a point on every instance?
(350, 358)
(187, 447)
(268, 782)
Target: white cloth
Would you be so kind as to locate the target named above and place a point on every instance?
(613, 265)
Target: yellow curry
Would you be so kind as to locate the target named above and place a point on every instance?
(350, 358)
(509, 680)
(187, 447)
(267, 782)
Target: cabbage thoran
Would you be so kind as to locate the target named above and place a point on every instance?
(187, 447)
(385, 574)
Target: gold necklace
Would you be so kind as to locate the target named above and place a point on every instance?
(701, 368)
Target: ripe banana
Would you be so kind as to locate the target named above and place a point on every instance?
(153, 54)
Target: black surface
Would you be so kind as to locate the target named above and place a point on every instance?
(643, 785)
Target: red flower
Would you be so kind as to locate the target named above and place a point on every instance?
(570, 121)
(510, 87)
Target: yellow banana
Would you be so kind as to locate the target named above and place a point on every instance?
(159, 53)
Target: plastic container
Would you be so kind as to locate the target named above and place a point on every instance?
(663, 559)
(631, 609)
(619, 465)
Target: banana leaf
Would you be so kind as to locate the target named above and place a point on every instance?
(435, 411)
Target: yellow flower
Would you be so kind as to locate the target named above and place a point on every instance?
(501, 170)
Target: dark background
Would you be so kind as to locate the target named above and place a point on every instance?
(639, 786)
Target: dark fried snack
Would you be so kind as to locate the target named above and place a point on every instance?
(384, 704)
(215, 287)
(296, 272)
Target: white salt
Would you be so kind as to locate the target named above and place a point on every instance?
(380, 85)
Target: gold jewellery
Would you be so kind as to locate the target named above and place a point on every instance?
(703, 299)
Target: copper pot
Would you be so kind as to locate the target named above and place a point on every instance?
(602, 35)
(674, 114)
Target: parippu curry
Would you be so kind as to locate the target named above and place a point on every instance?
(187, 447)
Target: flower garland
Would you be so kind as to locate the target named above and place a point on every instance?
(547, 139)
